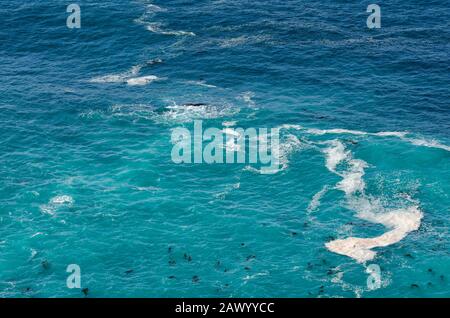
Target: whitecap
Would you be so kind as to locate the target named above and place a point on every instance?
(143, 80)
(316, 131)
(55, 202)
(155, 27)
(335, 154)
(403, 135)
(231, 132)
(427, 143)
(148, 189)
(33, 254)
(399, 134)
(151, 10)
(315, 201)
(47, 209)
(247, 97)
(229, 188)
(134, 111)
(291, 126)
(62, 199)
(352, 179)
(288, 144)
(155, 8)
(201, 83)
(117, 78)
(341, 131)
(231, 138)
(188, 113)
(249, 277)
(154, 61)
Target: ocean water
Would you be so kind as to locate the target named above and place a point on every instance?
(86, 175)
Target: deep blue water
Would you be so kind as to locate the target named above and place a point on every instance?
(86, 175)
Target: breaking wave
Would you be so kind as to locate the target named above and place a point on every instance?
(130, 76)
(56, 202)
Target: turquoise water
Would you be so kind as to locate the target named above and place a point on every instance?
(86, 175)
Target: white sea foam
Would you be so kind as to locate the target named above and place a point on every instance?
(150, 12)
(338, 279)
(156, 27)
(154, 61)
(253, 169)
(247, 98)
(55, 203)
(244, 39)
(188, 113)
(142, 80)
(427, 143)
(335, 154)
(228, 189)
(249, 277)
(291, 126)
(62, 199)
(399, 134)
(316, 131)
(288, 144)
(33, 253)
(155, 8)
(148, 189)
(133, 111)
(232, 137)
(339, 131)
(352, 179)
(231, 132)
(201, 83)
(229, 123)
(401, 222)
(117, 78)
(315, 201)
(130, 76)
